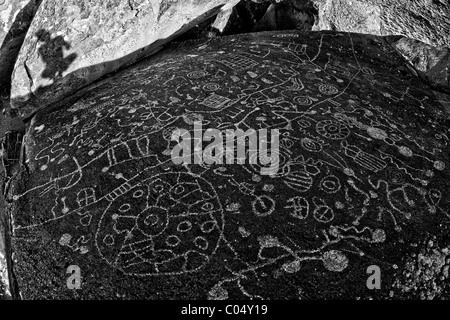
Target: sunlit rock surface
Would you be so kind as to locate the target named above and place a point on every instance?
(363, 178)
(15, 18)
(432, 63)
(423, 20)
(72, 43)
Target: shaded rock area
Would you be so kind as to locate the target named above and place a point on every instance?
(362, 177)
(72, 43)
(266, 16)
(15, 18)
(285, 16)
(12, 130)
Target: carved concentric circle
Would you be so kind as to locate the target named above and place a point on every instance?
(328, 89)
(173, 227)
(303, 101)
(330, 184)
(332, 129)
(197, 74)
(311, 145)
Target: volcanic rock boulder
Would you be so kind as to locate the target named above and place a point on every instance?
(432, 63)
(15, 18)
(423, 20)
(424, 24)
(352, 176)
(72, 43)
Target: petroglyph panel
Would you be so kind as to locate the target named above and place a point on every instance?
(362, 173)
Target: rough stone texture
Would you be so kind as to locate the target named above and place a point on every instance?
(223, 19)
(72, 43)
(432, 63)
(285, 16)
(423, 20)
(10, 148)
(363, 179)
(15, 18)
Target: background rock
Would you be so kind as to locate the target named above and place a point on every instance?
(433, 64)
(72, 43)
(287, 15)
(15, 18)
(424, 20)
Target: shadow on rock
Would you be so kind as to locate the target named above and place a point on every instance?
(52, 53)
(13, 41)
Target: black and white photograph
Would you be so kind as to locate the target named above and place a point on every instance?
(223, 154)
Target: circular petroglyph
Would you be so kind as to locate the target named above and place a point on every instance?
(125, 207)
(332, 129)
(407, 152)
(211, 87)
(263, 206)
(379, 235)
(335, 260)
(339, 205)
(108, 240)
(311, 145)
(395, 176)
(303, 101)
(65, 239)
(138, 193)
(153, 221)
(439, 165)
(328, 89)
(330, 184)
(184, 226)
(377, 133)
(170, 223)
(208, 226)
(299, 207)
(323, 214)
(197, 74)
(173, 241)
(201, 243)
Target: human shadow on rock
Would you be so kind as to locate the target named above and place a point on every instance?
(69, 83)
(51, 51)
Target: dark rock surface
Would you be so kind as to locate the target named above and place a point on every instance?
(363, 178)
